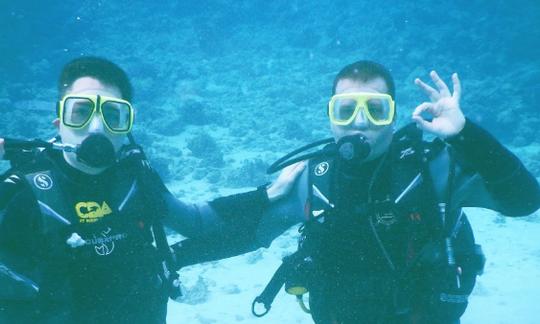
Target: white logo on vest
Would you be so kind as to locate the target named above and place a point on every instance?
(105, 245)
(43, 181)
(321, 168)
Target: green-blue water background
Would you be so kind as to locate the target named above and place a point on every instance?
(262, 70)
(222, 88)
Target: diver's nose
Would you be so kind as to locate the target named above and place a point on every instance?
(361, 121)
(96, 124)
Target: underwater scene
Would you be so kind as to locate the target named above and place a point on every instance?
(223, 88)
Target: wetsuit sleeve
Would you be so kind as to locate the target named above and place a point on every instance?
(232, 231)
(509, 187)
(242, 211)
(247, 222)
(186, 219)
(284, 213)
(189, 220)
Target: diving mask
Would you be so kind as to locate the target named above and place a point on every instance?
(379, 108)
(76, 111)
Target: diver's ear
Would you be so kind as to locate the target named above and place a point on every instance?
(56, 122)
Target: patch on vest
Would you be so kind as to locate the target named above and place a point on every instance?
(321, 168)
(386, 218)
(91, 211)
(104, 244)
(406, 152)
(383, 212)
(43, 181)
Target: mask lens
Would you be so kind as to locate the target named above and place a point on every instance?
(344, 109)
(77, 111)
(379, 109)
(117, 115)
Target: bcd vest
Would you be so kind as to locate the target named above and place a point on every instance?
(96, 235)
(403, 214)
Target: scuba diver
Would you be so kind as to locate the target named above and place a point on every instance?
(81, 216)
(384, 238)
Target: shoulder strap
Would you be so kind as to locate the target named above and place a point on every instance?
(152, 186)
(438, 170)
(47, 191)
(320, 195)
(41, 180)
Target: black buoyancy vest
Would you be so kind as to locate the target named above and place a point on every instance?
(96, 233)
(382, 250)
(402, 216)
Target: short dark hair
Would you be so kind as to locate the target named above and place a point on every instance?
(366, 71)
(98, 68)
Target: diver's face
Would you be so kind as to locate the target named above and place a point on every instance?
(378, 137)
(75, 136)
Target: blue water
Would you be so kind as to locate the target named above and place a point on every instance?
(284, 51)
(222, 88)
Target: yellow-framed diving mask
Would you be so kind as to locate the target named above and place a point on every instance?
(379, 108)
(76, 111)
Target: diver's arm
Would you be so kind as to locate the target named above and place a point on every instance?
(511, 188)
(192, 220)
(284, 213)
(231, 233)
(189, 220)
(240, 211)
(268, 222)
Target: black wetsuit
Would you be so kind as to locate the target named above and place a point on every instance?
(377, 261)
(114, 275)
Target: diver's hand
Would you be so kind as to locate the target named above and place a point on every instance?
(284, 183)
(448, 119)
(1, 148)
